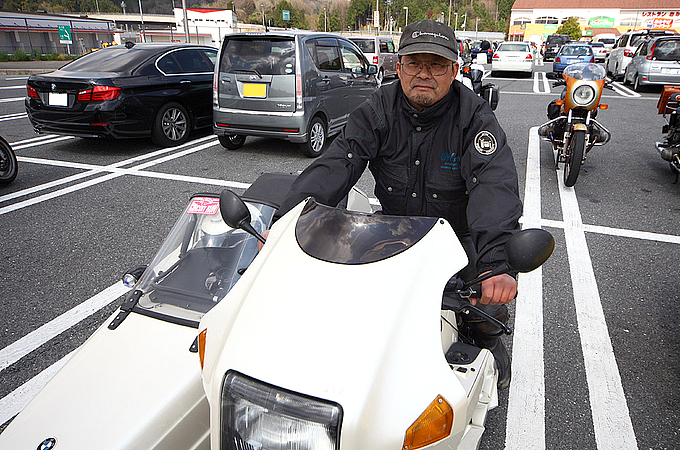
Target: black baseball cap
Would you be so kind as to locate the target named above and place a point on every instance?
(429, 36)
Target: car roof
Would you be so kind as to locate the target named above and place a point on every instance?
(283, 33)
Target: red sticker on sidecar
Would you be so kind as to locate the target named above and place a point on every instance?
(204, 205)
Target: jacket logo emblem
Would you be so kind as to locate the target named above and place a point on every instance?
(485, 143)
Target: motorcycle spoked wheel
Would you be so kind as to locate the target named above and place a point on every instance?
(572, 166)
(8, 163)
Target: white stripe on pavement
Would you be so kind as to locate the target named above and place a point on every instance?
(525, 428)
(22, 347)
(611, 417)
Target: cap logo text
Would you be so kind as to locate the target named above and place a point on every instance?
(417, 34)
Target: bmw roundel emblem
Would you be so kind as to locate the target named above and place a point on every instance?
(47, 444)
(54, 87)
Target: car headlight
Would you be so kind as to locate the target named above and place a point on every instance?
(583, 95)
(256, 415)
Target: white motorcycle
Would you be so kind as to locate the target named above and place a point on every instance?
(336, 337)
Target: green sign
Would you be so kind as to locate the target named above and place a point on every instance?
(550, 27)
(65, 34)
(286, 15)
(601, 22)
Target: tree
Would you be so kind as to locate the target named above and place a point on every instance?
(572, 28)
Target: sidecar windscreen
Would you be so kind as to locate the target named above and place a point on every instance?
(200, 261)
(344, 237)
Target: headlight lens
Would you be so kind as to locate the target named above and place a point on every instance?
(255, 416)
(583, 95)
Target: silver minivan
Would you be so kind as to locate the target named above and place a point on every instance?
(294, 85)
(379, 50)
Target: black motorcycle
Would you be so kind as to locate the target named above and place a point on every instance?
(669, 106)
(8, 162)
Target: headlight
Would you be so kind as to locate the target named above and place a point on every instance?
(583, 95)
(258, 416)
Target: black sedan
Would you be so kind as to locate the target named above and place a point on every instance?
(127, 91)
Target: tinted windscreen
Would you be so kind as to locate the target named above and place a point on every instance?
(366, 45)
(265, 56)
(667, 50)
(112, 59)
(513, 48)
(339, 236)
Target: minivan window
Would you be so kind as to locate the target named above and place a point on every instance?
(383, 47)
(327, 58)
(265, 56)
(635, 39)
(350, 59)
(390, 46)
(366, 45)
(667, 50)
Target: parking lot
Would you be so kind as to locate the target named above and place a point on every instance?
(595, 347)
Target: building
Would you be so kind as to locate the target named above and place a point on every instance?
(47, 33)
(535, 19)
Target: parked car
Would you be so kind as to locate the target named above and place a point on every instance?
(552, 45)
(512, 57)
(572, 53)
(625, 47)
(482, 51)
(656, 61)
(127, 91)
(379, 50)
(599, 50)
(294, 85)
(608, 39)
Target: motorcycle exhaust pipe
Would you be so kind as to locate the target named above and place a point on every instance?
(669, 154)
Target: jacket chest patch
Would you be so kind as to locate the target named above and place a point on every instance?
(485, 143)
(449, 161)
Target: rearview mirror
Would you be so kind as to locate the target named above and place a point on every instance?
(528, 249)
(236, 214)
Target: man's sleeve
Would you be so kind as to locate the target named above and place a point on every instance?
(331, 176)
(494, 206)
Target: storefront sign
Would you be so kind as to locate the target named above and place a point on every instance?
(601, 22)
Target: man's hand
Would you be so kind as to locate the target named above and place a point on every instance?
(497, 290)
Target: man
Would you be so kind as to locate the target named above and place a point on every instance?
(435, 149)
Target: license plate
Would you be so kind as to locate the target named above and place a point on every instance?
(258, 90)
(57, 99)
(511, 58)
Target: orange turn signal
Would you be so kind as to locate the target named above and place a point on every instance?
(603, 106)
(559, 102)
(201, 345)
(434, 424)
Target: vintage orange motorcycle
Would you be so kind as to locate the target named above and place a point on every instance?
(572, 128)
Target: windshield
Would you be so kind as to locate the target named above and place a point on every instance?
(513, 48)
(366, 45)
(343, 237)
(200, 261)
(573, 50)
(585, 71)
(263, 56)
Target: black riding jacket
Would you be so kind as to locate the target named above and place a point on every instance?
(450, 160)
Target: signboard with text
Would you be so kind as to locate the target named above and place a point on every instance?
(286, 14)
(601, 22)
(65, 34)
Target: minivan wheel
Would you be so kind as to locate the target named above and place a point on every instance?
(232, 141)
(171, 125)
(316, 144)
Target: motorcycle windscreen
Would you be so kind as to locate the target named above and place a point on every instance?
(200, 261)
(343, 237)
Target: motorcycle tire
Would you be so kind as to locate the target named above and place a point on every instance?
(577, 145)
(8, 163)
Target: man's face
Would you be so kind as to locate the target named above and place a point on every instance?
(424, 89)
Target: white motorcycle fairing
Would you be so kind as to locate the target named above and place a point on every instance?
(145, 394)
(367, 337)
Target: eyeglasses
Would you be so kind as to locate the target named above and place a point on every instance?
(435, 68)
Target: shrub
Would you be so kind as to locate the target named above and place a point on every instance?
(20, 55)
(4, 56)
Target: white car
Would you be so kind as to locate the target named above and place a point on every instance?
(624, 49)
(512, 57)
(599, 50)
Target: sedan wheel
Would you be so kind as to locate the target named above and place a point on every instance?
(171, 126)
(636, 84)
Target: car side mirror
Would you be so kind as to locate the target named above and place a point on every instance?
(551, 75)
(372, 69)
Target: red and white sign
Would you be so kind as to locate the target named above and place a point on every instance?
(204, 205)
(662, 24)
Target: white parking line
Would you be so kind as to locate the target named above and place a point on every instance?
(611, 417)
(525, 427)
(624, 91)
(541, 79)
(14, 99)
(13, 116)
